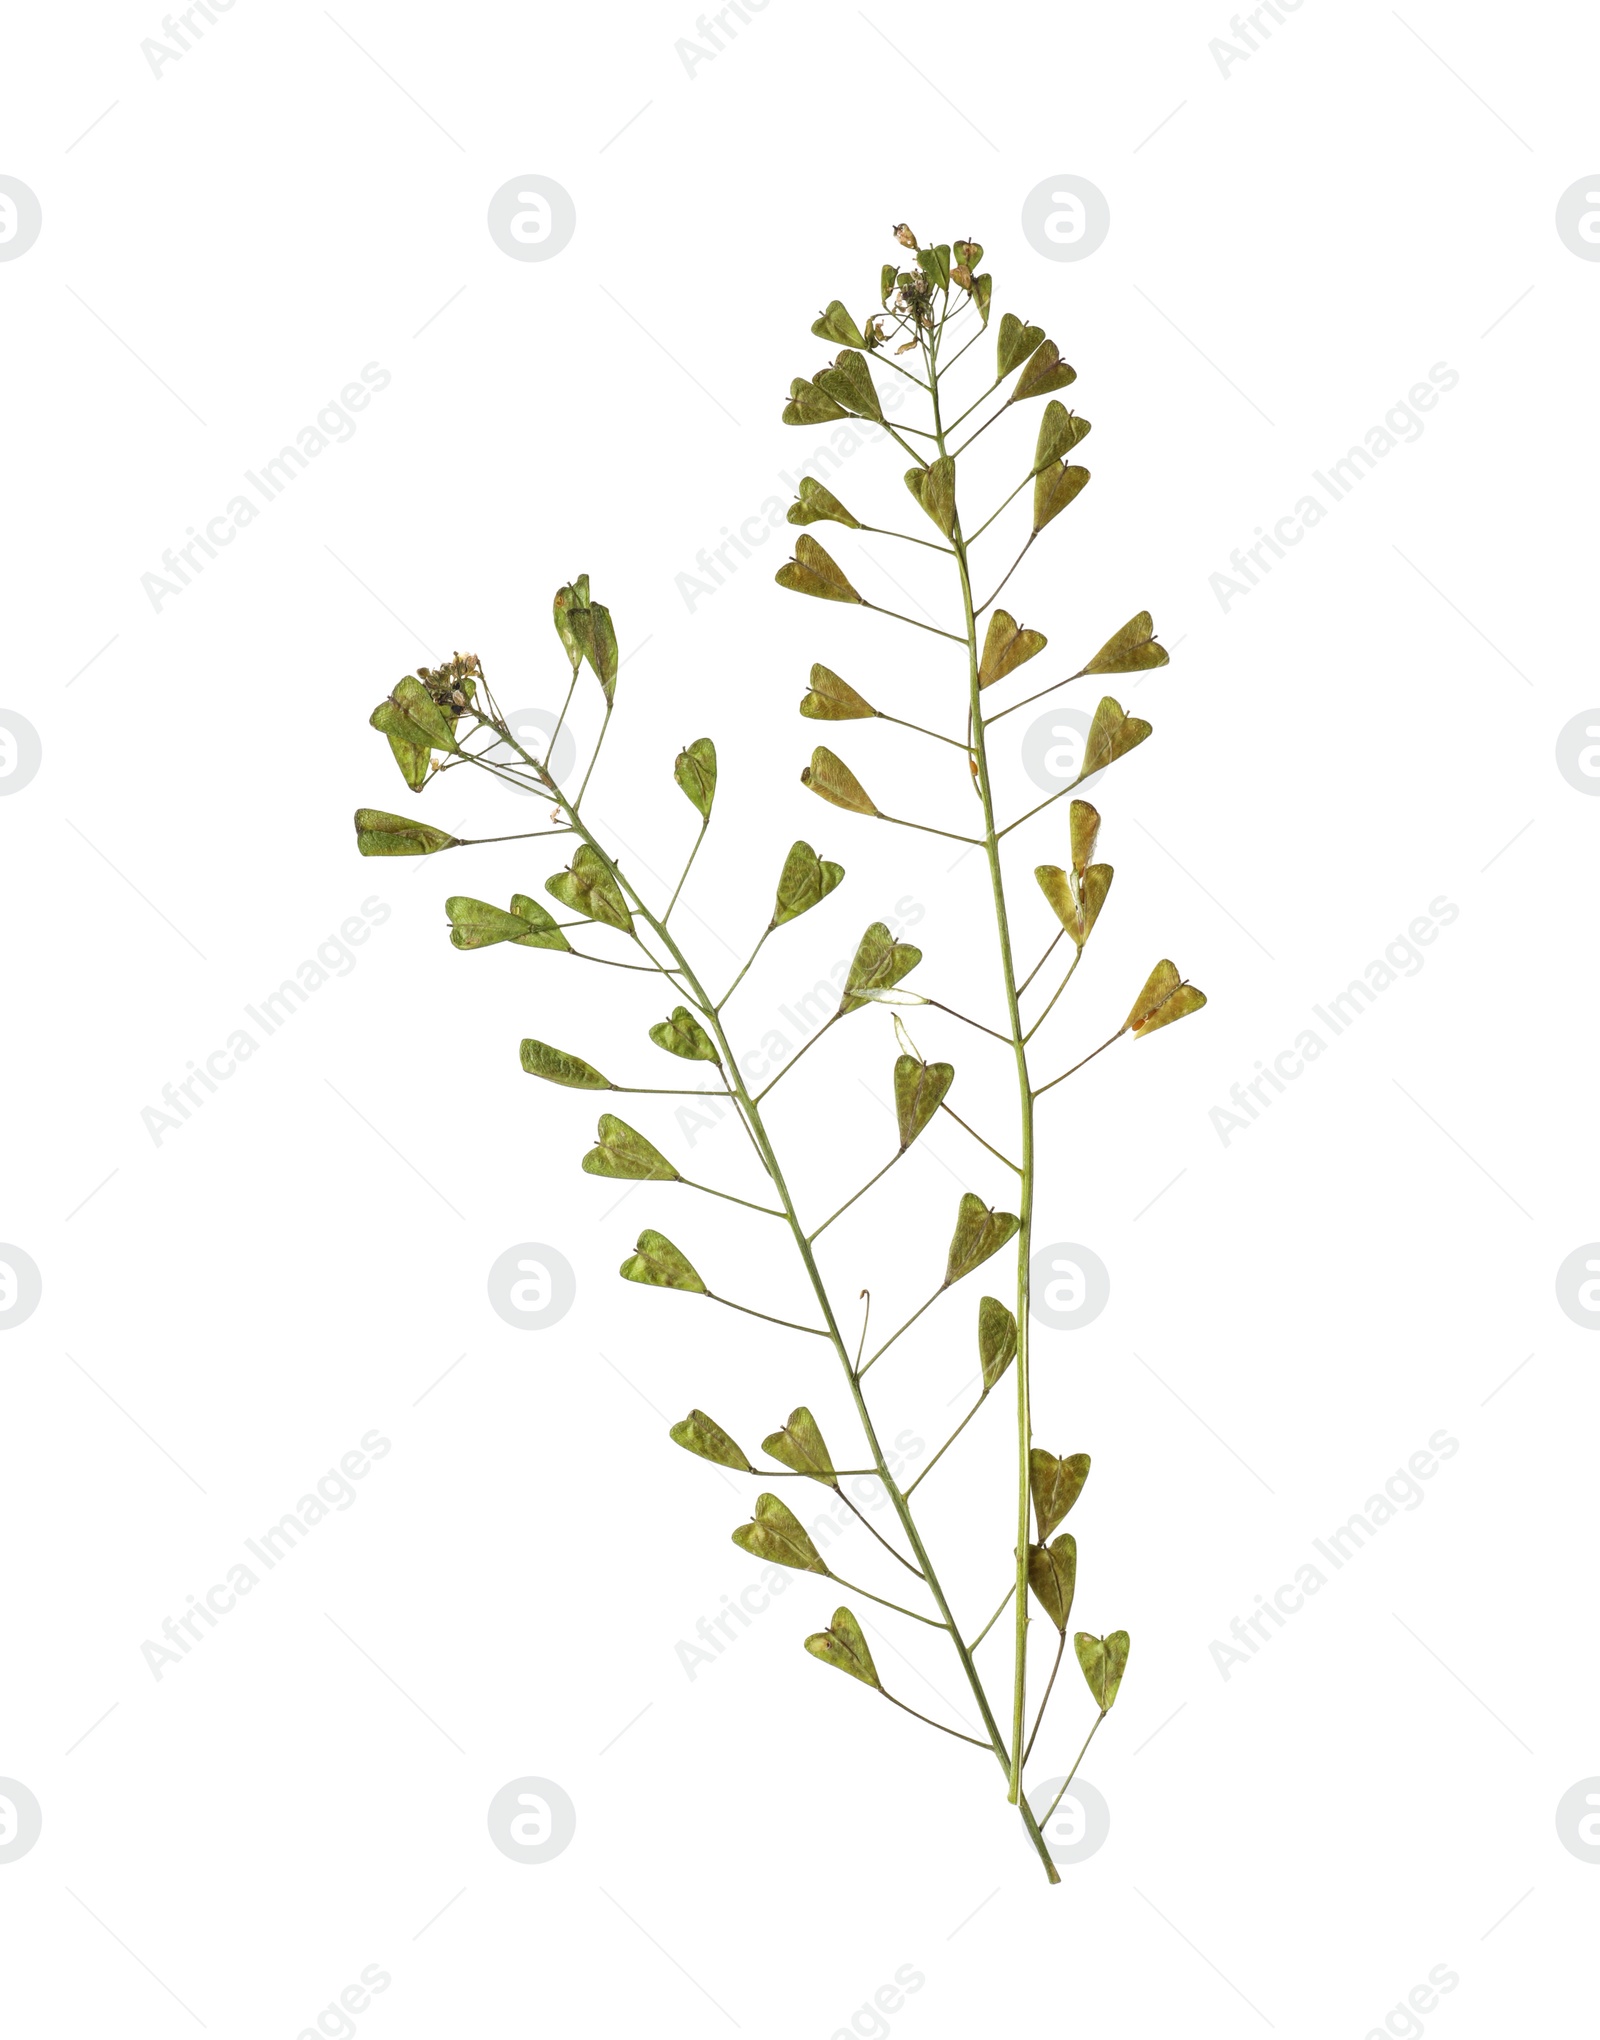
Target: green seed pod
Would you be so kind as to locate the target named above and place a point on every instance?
(831, 779)
(682, 1034)
(474, 924)
(1045, 371)
(919, 1090)
(979, 1233)
(657, 1263)
(1104, 1659)
(695, 770)
(814, 572)
(843, 1646)
(1132, 650)
(808, 405)
(831, 699)
(800, 1447)
(385, 835)
(837, 325)
(997, 1339)
(539, 1059)
(879, 962)
(849, 382)
(1165, 998)
(701, 1435)
(1111, 736)
(588, 888)
(805, 879)
(1006, 646)
(778, 1536)
(626, 1156)
(817, 505)
(1053, 1576)
(1014, 343)
(1055, 1485)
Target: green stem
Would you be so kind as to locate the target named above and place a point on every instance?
(945, 1447)
(898, 1557)
(605, 724)
(1027, 699)
(1049, 800)
(1060, 988)
(984, 526)
(978, 1137)
(728, 1197)
(1067, 1780)
(843, 1208)
(910, 1321)
(788, 1324)
(1045, 1702)
(1039, 966)
(549, 748)
(1089, 1058)
(928, 1718)
(1025, 1106)
(750, 959)
(693, 854)
(1017, 562)
(789, 1065)
(882, 531)
(983, 428)
(954, 1015)
(954, 742)
(927, 829)
(994, 1618)
(881, 611)
(867, 1594)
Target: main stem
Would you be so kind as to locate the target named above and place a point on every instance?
(991, 843)
(752, 1114)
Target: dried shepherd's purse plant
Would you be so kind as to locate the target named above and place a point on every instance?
(931, 313)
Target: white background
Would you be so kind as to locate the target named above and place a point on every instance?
(1369, 729)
